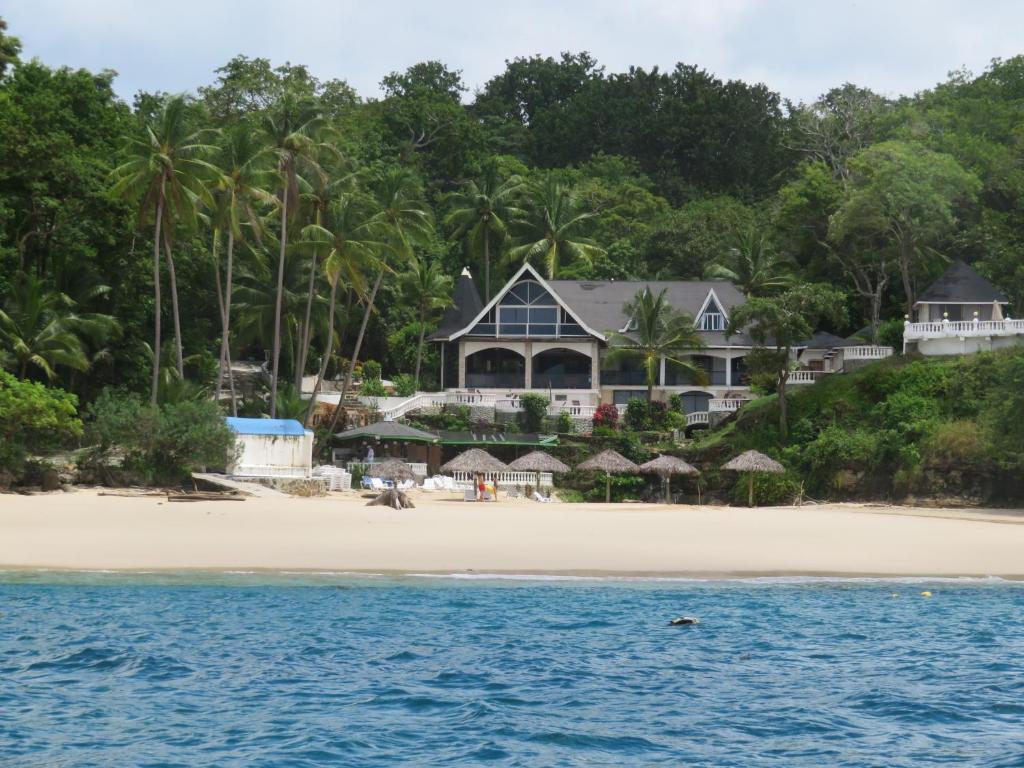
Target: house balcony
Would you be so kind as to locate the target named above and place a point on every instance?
(961, 329)
(867, 352)
(511, 380)
(561, 381)
(623, 378)
(805, 376)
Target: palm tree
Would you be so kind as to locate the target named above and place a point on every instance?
(291, 128)
(551, 230)
(428, 289)
(483, 210)
(352, 250)
(754, 265)
(656, 331)
(242, 186)
(40, 328)
(401, 222)
(166, 170)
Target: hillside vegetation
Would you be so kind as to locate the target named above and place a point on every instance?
(903, 427)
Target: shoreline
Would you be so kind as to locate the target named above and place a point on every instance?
(513, 539)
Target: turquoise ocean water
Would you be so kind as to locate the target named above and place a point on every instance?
(315, 670)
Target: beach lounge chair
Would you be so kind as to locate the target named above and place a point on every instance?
(407, 485)
(469, 495)
(376, 484)
(428, 484)
(365, 483)
(541, 499)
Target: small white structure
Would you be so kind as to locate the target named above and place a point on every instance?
(271, 448)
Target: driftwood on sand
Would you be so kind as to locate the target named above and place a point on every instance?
(393, 498)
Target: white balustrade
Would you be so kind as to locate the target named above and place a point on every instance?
(867, 352)
(805, 376)
(269, 470)
(505, 478)
(962, 328)
(697, 417)
(726, 404)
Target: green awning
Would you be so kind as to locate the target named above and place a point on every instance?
(388, 430)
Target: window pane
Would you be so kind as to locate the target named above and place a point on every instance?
(542, 330)
(512, 330)
(539, 296)
(543, 314)
(514, 315)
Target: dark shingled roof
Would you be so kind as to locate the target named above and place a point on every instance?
(826, 340)
(961, 284)
(466, 305)
(388, 430)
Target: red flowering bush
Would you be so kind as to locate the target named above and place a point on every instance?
(606, 415)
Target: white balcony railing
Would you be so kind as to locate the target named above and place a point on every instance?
(962, 328)
(867, 352)
(726, 404)
(508, 478)
(805, 376)
(697, 417)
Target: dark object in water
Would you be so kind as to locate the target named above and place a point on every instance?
(684, 621)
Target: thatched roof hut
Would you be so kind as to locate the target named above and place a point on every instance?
(666, 467)
(752, 462)
(392, 469)
(611, 463)
(474, 460)
(538, 461)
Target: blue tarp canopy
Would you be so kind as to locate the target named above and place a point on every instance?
(265, 426)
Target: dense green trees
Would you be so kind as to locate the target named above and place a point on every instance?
(279, 210)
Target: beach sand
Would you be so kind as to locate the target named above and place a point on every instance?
(83, 530)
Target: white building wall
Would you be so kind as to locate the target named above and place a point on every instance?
(273, 455)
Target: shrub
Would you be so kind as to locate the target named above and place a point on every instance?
(675, 403)
(769, 490)
(890, 333)
(33, 419)
(535, 408)
(674, 420)
(564, 423)
(656, 412)
(372, 388)
(955, 443)
(371, 370)
(604, 432)
(606, 417)
(161, 443)
(637, 414)
(405, 385)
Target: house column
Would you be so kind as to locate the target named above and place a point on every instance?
(661, 372)
(528, 378)
(595, 366)
(728, 369)
(462, 365)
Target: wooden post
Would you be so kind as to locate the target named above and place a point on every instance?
(607, 489)
(750, 498)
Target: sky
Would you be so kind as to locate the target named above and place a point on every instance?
(800, 48)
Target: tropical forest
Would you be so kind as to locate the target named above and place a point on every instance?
(276, 217)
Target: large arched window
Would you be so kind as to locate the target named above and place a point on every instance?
(528, 310)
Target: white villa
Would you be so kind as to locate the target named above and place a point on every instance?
(551, 336)
(961, 313)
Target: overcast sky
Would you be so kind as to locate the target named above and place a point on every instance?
(798, 47)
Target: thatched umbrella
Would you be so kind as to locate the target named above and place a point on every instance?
(538, 461)
(611, 463)
(474, 460)
(753, 462)
(396, 471)
(667, 466)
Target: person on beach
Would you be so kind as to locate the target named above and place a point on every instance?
(480, 486)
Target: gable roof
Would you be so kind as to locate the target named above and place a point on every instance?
(285, 427)
(826, 340)
(548, 286)
(961, 284)
(466, 304)
(601, 303)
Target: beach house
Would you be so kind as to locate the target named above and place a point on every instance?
(961, 313)
(270, 448)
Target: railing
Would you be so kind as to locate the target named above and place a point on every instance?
(506, 478)
(416, 402)
(685, 379)
(805, 376)
(515, 404)
(726, 404)
(697, 417)
(867, 352)
(946, 328)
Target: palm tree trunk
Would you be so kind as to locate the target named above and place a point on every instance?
(355, 352)
(155, 383)
(225, 343)
(783, 378)
(487, 266)
(277, 303)
(220, 309)
(419, 346)
(176, 315)
(306, 331)
(327, 352)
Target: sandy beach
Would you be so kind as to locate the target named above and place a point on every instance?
(84, 530)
